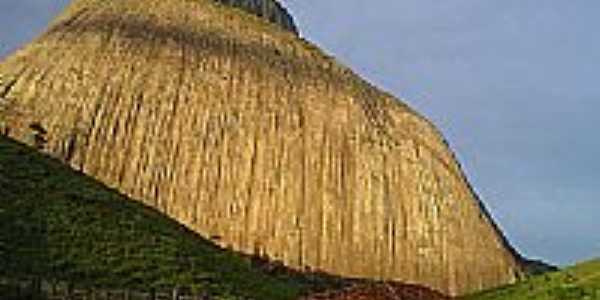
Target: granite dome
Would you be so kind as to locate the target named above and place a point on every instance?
(249, 135)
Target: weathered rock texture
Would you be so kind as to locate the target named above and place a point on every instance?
(249, 135)
(269, 10)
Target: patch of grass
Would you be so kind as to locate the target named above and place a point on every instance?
(580, 282)
(58, 224)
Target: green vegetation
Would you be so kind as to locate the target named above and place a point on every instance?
(58, 224)
(580, 282)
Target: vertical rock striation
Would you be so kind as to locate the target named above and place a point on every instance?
(244, 132)
(269, 10)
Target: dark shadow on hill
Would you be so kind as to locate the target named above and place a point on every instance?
(534, 267)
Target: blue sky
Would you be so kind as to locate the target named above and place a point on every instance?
(513, 85)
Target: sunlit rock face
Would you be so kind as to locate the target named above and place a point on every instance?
(252, 136)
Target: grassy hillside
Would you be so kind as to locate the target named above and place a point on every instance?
(580, 282)
(61, 225)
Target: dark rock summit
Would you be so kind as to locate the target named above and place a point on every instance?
(269, 10)
(242, 131)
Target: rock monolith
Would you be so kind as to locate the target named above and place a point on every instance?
(251, 136)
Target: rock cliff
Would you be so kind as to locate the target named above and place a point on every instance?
(269, 10)
(252, 137)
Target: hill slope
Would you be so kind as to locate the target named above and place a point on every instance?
(58, 223)
(580, 282)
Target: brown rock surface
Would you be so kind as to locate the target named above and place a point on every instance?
(246, 133)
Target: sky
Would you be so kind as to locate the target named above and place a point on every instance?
(513, 85)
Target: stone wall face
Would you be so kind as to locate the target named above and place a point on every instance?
(255, 138)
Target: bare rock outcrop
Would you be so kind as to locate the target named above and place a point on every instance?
(247, 134)
(269, 10)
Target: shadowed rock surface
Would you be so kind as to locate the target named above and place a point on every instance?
(269, 10)
(251, 136)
